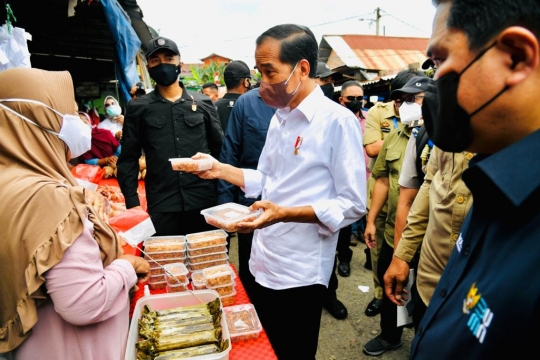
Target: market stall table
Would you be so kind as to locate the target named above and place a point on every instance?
(253, 349)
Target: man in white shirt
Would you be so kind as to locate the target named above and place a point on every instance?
(311, 177)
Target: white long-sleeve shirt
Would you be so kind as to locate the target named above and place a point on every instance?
(327, 173)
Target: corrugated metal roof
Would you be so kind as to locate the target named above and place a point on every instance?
(380, 53)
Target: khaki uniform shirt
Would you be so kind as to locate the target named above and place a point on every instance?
(379, 123)
(444, 200)
(389, 165)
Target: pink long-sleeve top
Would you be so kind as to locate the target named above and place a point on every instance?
(87, 315)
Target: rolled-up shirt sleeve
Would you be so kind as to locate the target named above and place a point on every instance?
(253, 182)
(82, 290)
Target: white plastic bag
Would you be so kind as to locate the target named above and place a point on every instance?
(13, 48)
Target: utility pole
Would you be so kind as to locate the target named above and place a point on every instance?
(377, 18)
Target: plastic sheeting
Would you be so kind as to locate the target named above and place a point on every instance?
(127, 45)
(13, 48)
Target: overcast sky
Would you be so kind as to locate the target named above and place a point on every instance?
(230, 27)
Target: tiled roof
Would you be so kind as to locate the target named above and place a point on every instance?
(370, 52)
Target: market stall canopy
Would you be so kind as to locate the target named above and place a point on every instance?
(85, 44)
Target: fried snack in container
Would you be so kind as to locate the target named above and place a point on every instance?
(206, 239)
(223, 290)
(164, 243)
(204, 265)
(176, 273)
(227, 216)
(208, 257)
(228, 300)
(207, 250)
(191, 165)
(243, 322)
(218, 275)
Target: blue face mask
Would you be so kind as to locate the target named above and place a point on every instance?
(113, 111)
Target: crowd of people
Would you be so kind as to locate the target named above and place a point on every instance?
(401, 175)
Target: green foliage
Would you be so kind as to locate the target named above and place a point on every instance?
(203, 75)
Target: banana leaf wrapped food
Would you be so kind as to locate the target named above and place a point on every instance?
(192, 351)
(180, 341)
(180, 331)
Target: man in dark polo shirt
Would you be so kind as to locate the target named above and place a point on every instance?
(484, 100)
(170, 122)
(237, 78)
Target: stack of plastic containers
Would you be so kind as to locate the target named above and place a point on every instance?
(206, 249)
(176, 276)
(220, 278)
(163, 250)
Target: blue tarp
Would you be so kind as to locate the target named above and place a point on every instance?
(127, 45)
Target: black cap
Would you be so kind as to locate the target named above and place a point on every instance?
(161, 43)
(324, 71)
(428, 64)
(415, 85)
(237, 70)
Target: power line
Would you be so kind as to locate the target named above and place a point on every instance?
(309, 26)
(414, 27)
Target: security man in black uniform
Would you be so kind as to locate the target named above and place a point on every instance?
(238, 81)
(170, 122)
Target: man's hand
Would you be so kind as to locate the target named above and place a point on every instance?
(213, 173)
(395, 279)
(271, 214)
(370, 235)
(98, 202)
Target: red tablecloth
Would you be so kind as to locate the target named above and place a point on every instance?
(253, 349)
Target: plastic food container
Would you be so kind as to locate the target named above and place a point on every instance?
(156, 284)
(204, 265)
(197, 280)
(227, 216)
(179, 287)
(243, 322)
(207, 257)
(223, 290)
(189, 165)
(168, 301)
(175, 254)
(207, 250)
(161, 262)
(157, 278)
(176, 273)
(164, 243)
(218, 275)
(206, 239)
(156, 269)
(228, 300)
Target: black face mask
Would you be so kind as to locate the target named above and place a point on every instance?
(328, 90)
(164, 74)
(447, 124)
(355, 106)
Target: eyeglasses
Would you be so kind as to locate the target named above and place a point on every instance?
(411, 98)
(352, 98)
